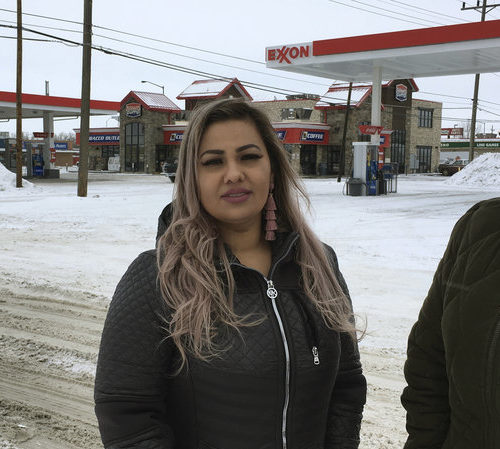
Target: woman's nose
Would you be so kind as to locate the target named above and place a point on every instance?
(234, 172)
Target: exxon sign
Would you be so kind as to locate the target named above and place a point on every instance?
(288, 54)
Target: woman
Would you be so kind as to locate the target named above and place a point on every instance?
(453, 367)
(237, 332)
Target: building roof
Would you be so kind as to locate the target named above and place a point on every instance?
(152, 101)
(34, 105)
(211, 88)
(437, 51)
(336, 96)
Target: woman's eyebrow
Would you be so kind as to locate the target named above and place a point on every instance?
(211, 152)
(239, 149)
(247, 146)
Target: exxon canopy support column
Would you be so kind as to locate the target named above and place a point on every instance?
(376, 103)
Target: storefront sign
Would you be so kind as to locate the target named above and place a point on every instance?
(451, 144)
(457, 132)
(288, 53)
(104, 139)
(281, 134)
(370, 129)
(40, 135)
(313, 136)
(401, 92)
(176, 137)
(133, 110)
(61, 145)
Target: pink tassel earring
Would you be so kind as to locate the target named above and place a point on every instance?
(271, 225)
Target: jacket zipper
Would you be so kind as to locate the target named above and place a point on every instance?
(272, 294)
(311, 333)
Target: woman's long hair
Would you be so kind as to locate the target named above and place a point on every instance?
(195, 277)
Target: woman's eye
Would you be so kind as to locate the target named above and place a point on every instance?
(251, 156)
(211, 162)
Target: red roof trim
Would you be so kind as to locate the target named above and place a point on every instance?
(63, 102)
(409, 38)
(235, 82)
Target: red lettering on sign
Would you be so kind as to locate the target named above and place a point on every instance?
(286, 54)
(282, 55)
(369, 129)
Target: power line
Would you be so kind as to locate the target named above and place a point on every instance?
(274, 75)
(428, 10)
(378, 13)
(140, 36)
(257, 86)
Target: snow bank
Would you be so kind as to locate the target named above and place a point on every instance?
(484, 171)
(8, 180)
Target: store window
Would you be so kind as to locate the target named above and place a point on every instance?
(134, 147)
(110, 151)
(333, 155)
(398, 148)
(289, 150)
(308, 159)
(425, 117)
(424, 156)
(363, 137)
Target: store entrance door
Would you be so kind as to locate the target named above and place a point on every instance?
(308, 159)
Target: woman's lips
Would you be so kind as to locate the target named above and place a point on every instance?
(236, 195)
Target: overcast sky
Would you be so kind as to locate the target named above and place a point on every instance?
(224, 27)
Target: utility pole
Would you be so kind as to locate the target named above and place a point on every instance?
(19, 99)
(344, 134)
(476, 81)
(83, 168)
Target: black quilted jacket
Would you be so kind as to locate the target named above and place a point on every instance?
(289, 382)
(453, 367)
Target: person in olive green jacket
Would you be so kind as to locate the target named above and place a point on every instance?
(453, 367)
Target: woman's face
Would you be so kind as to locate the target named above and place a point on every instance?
(234, 173)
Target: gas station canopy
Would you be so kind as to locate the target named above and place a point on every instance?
(34, 106)
(438, 51)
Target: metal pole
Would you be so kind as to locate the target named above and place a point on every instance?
(344, 134)
(472, 143)
(83, 170)
(19, 101)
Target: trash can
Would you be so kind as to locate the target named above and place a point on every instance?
(355, 187)
(323, 169)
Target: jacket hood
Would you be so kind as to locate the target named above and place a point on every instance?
(164, 220)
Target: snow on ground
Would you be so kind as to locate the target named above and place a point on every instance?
(61, 257)
(8, 180)
(483, 171)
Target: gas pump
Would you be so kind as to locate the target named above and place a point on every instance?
(372, 170)
(364, 172)
(38, 160)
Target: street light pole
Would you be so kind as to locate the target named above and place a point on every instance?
(157, 85)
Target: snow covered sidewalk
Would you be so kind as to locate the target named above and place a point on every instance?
(61, 257)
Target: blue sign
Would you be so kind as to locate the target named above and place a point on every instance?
(104, 138)
(176, 137)
(281, 134)
(61, 145)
